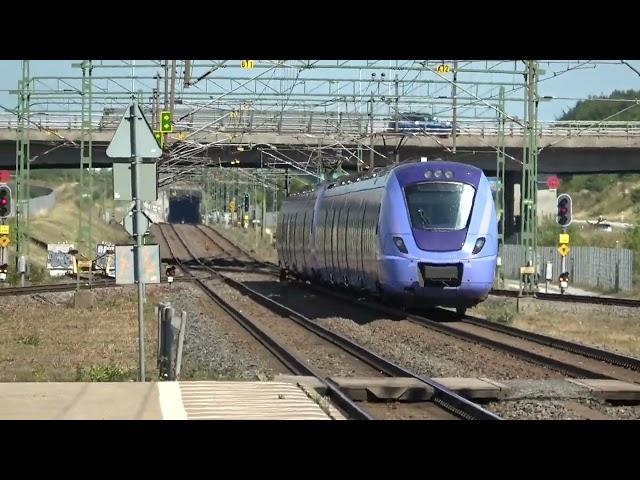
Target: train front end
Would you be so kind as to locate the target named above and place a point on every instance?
(439, 234)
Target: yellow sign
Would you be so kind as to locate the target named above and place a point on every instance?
(564, 238)
(563, 249)
(443, 68)
(182, 135)
(4, 241)
(247, 64)
(4, 229)
(232, 206)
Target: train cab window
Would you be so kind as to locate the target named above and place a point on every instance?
(439, 205)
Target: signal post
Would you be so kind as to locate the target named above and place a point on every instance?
(564, 218)
(6, 207)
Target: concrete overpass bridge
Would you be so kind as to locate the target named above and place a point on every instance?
(298, 140)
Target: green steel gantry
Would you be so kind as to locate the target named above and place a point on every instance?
(373, 95)
(22, 238)
(85, 212)
(500, 186)
(529, 186)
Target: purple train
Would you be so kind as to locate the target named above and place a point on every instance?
(423, 232)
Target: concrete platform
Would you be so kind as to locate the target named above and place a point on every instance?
(407, 389)
(615, 390)
(239, 401)
(161, 401)
(474, 388)
(403, 389)
(79, 401)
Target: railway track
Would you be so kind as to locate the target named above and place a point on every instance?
(556, 297)
(54, 287)
(442, 396)
(571, 358)
(622, 302)
(292, 362)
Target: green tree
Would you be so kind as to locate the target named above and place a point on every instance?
(602, 107)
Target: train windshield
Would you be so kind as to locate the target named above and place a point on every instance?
(439, 205)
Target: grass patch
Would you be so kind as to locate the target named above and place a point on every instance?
(56, 343)
(592, 326)
(249, 240)
(60, 225)
(497, 310)
(32, 340)
(105, 373)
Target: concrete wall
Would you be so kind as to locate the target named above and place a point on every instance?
(546, 202)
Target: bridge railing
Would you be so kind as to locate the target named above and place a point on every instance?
(318, 122)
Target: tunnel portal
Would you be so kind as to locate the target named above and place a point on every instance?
(184, 206)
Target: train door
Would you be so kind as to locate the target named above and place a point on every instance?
(290, 258)
(295, 242)
(334, 239)
(339, 236)
(305, 240)
(354, 254)
(281, 238)
(324, 240)
(370, 239)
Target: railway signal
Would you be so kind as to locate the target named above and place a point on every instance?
(564, 281)
(246, 202)
(5, 201)
(563, 250)
(166, 122)
(565, 213)
(159, 138)
(171, 273)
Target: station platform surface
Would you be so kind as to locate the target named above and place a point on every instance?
(159, 401)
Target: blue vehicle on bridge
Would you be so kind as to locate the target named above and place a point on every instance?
(424, 233)
(421, 123)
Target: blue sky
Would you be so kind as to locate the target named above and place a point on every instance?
(573, 84)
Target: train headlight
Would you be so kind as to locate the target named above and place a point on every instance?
(400, 244)
(448, 174)
(428, 174)
(437, 173)
(478, 246)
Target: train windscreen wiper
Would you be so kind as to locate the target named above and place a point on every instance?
(425, 222)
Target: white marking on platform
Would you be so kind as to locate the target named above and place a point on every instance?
(248, 401)
(171, 401)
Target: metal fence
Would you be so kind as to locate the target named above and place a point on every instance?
(315, 121)
(606, 268)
